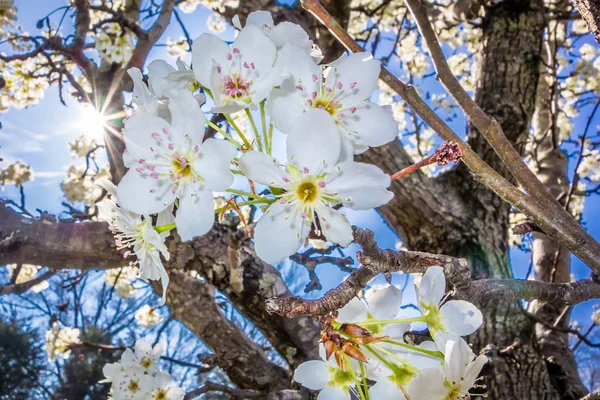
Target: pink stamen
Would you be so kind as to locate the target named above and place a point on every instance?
(246, 65)
(152, 190)
(119, 243)
(314, 78)
(154, 175)
(141, 161)
(139, 169)
(353, 85)
(171, 147)
(174, 189)
(299, 87)
(305, 170)
(126, 254)
(183, 162)
(229, 56)
(236, 50)
(321, 184)
(352, 110)
(328, 89)
(310, 103)
(303, 214)
(155, 135)
(252, 65)
(340, 85)
(151, 167)
(282, 201)
(165, 131)
(314, 95)
(196, 148)
(285, 179)
(112, 228)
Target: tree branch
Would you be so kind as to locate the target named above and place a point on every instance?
(18, 288)
(590, 12)
(375, 261)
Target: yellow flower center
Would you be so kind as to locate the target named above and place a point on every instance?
(307, 191)
(133, 386)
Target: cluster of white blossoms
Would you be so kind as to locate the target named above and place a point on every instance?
(25, 81)
(269, 71)
(363, 349)
(15, 173)
(122, 280)
(137, 376)
(27, 272)
(147, 316)
(114, 42)
(59, 341)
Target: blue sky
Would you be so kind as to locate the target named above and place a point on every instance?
(39, 136)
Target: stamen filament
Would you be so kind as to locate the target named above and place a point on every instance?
(222, 132)
(164, 228)
(256, 133)
(238, 130)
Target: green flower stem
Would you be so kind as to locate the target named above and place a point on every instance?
(164, 228)
(248, 203)
(237, 172)
(437, 354)
(255, 129)
(389, 321)
(222, 132)
(238, 130)
(263, 119)
(270, 148)
(379, 356)
(363, 373)
(395, 357)
(356, 381)
(242, 193)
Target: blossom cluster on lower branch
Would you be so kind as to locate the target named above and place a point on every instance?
(137, 376)
(363, 348)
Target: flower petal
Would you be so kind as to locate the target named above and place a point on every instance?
(460, 317)
(360, 69)
(260, 18)
(255, 47)
(302, 68)
(458, 355)
(433, 286)
(158, 70)
(263, 169)
(314, 143)
(360, 186)
(141, 95)
(207, 50)
(287, 32)
(335, 226)
(195, 215)
(428, 385)
(333, 393)
(386, 390)
(279, 233)
(354, 311)
(187, 120)
(370, 125)
(134, 193)
(472, 371)
(313, 374)
(213, 163)
(284, 108)
(140, 137)
(384, 301)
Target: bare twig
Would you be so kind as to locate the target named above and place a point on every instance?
(311, 264)
(215, 387)
(18, 288)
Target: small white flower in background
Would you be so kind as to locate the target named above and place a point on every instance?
(27, 273)
(178, 48)
(344, 94)
(16, 173)
(332, 382)
(136, 234)
(451, 319)
(280, 34)
(162, 390)
(137, 377)
(596, 317)
(132, 384)
(58, 341)
(169, 161)
(145, 356)
(238, 77)
(121, 279)
(312, 181)
(456, 378)
(147, 316)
